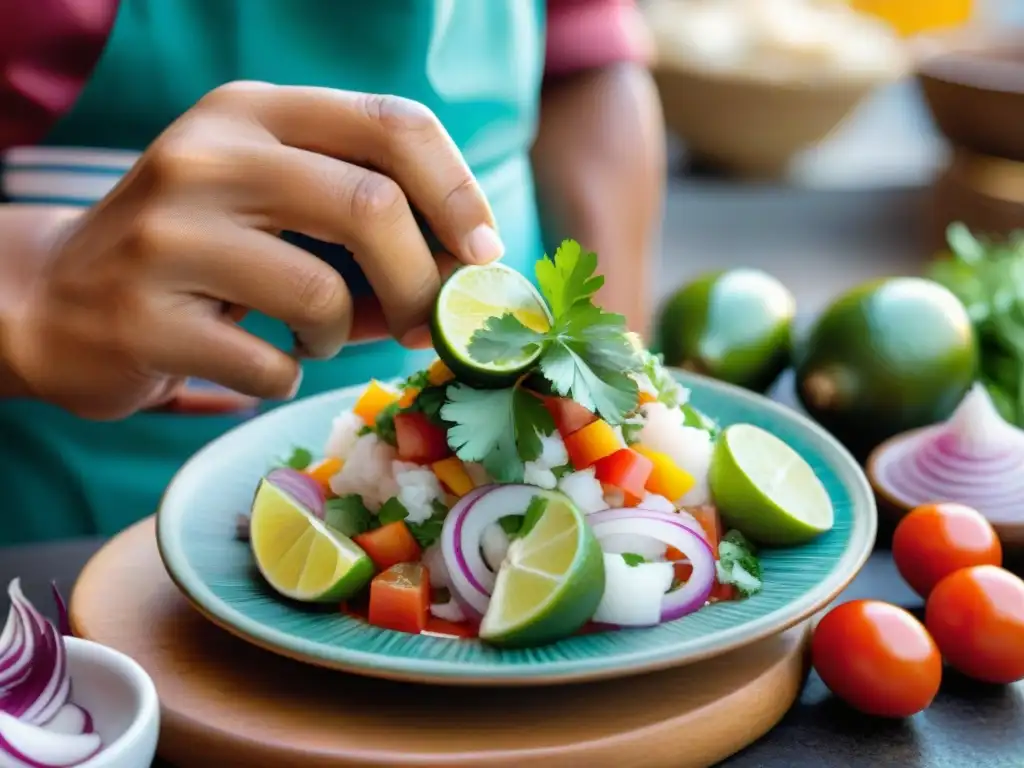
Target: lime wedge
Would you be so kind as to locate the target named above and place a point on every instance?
(299, 556)
(766, 490)
(467, 300)
(551, 582)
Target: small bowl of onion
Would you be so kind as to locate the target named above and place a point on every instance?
(69, 702)
(749, 84)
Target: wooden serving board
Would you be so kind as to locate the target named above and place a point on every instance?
(226, 703)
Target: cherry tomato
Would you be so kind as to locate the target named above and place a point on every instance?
(976, 616)
(877, 657)
(935, 540)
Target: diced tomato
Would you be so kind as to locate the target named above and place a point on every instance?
(323, 471)
(442, 627)
(569, 415)
(389, 545)
(452, 472)
(400, 598)
(375, 398)
(666, 478)
(721, 593)
(419, 439)
(709, 520)
(626, 470)
(592, 443)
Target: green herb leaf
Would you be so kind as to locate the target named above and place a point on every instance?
(632, 559)
(610, 393)
(738, 564)
(364, 431)
(501, 428)
(568, 278)
(299, 459)
(699, 420)
(348, 515)
(533, 514)
(418, 380)
(391, 511)
(427, 532)
(511, 524)
(965, 245)
(385, 424)
(503, 338)
(429, 402)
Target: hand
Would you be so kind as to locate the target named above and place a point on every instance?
(147, 287)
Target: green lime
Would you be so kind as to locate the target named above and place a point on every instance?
(467, 300)
(300, 556)
(888, 356)
(765, 489)
(551, 582)
(732, 325)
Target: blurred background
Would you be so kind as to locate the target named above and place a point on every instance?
(830, 141)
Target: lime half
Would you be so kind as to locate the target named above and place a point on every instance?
(551, 582)
(300, 556)
(766, 490)
(468, 299)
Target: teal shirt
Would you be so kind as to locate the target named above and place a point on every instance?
(477, 64)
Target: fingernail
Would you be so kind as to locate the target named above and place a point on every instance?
(417, 338)
(484, 246)
(295, 386)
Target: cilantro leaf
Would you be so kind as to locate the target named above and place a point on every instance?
(299, 459)
(427, 532)
(348, 515)
(534, 512)
(611, 394)
(391, 511)
(500, 428)
(503, 338)
(429, 402)
(632, 559)
(569, 277)
(511, 524)
(385, 424)
(418, 380)
(738, 564)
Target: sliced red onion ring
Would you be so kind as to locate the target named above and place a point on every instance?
(72, 720)
(670, 529)
(301, 487)
(471, 579)
(28, 746)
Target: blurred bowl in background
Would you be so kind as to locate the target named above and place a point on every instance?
(973, 84)
(748, 125)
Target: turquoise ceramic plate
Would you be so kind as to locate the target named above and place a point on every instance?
(216, 573)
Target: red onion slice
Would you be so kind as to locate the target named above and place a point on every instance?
(471, 580)
(28, 746)
(301, 487)
(673, 531)
(70, 719)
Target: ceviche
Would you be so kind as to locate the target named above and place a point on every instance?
(546, 475)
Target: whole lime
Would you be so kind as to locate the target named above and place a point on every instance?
(887, 356)
(731, 325)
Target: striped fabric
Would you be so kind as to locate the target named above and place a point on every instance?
(61, 175)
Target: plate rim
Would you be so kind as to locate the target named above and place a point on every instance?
(863, 533)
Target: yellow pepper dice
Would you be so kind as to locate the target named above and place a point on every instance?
(453, 474)
(438, 374)
(375, 398)
(666, 479)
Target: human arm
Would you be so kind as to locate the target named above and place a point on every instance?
(599, 153)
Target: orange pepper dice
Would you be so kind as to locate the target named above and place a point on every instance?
(400, 598)
(375, 398)
(592, 443)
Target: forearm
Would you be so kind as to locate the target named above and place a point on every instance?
(599, 163)
(28, 234)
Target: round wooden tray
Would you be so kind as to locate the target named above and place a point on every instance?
(228, 703)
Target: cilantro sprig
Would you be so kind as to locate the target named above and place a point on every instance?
(586, 354)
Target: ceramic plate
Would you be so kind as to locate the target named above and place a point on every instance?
(196, 521)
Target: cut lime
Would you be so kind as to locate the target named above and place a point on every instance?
(551, 582)
(300, 556)
(468, 299)
(765, 489)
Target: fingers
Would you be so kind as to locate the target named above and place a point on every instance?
(217, 350)
(256, 270)
(365, 211)
(400, 138)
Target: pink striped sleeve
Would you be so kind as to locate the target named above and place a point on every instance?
(585, 34)
(48, 49)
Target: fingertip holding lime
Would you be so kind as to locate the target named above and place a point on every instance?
(301, 557)
(551, 581)
(470, 297)
(765, 488)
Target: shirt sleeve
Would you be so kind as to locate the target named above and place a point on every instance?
(586, 34)
(48, 49)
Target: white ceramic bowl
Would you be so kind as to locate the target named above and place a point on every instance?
(122, 700)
